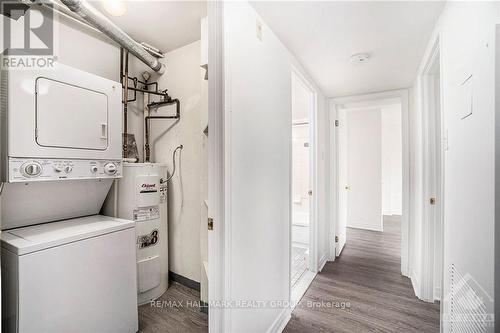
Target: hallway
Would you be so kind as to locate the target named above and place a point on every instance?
(366, 279)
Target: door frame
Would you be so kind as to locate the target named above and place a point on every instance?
(218, 180)
(360, 101)
(341, 117)
(433, 173)
(313, 165)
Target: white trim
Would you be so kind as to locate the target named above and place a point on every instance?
(301, 287)
(415, 283)
(367, 227)
(432, 177)
(218, 282)
(322, 262)
(437, 293)
(281, 321)
(358, 101)
(313, 207)
(332, 179)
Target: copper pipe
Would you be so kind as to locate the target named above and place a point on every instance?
(124, 79)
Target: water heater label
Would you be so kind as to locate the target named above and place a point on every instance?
(149, 239)
(144, 214)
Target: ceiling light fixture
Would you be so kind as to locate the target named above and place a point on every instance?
(360, 58)
(115, 7)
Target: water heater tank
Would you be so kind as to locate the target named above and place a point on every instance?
(141, 196)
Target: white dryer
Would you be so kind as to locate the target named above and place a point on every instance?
(77, 275)
(61, 144)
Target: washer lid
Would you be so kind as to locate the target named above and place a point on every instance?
(39, 237)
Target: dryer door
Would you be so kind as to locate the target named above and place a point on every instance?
(69, 116)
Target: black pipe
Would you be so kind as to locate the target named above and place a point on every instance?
(144, 83)
(147, 119)
(158, 93)
(169, 101)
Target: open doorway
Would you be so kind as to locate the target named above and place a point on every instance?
(370, 168)
(370, 159)
(302, 205)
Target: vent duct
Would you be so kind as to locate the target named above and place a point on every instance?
(97, 20)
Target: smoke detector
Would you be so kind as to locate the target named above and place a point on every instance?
(359, 58)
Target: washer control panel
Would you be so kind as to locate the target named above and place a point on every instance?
(25, 169)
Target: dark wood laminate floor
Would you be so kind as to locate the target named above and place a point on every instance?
(175, 311)
(367, 275)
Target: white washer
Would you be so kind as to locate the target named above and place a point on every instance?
(74, 276)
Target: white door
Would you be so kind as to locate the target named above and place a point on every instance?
(363, 187)
(343, 183)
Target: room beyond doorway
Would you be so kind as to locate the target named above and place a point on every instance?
(348, 183)
(302, 217)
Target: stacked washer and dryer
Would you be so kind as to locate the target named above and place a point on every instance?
(64, 267)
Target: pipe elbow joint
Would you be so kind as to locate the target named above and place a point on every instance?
(161, 68)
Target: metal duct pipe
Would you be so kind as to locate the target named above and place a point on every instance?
(96, 19)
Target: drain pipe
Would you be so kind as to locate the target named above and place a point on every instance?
(96, 19)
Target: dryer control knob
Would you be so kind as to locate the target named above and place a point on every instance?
(110, 168)
(32, 169)
(93, 168)
(68, 168)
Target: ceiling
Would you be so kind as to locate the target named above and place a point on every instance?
(166, 25)
(323, 36)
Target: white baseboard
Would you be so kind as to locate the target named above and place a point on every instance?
(437, 294)
(370, 228)
(280, 323)
(322, 262)
(415, 283)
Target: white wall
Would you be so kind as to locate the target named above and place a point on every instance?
(466, 31)
(392, 160)
(258, 135)
(183, 80)
(364, 169)
(101, 56)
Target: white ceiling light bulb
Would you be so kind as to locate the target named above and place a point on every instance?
(115, 7)
(360, 58)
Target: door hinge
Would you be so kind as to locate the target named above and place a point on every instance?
(337, 123)
(210, 223)
(336, 239)
(432, 201)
